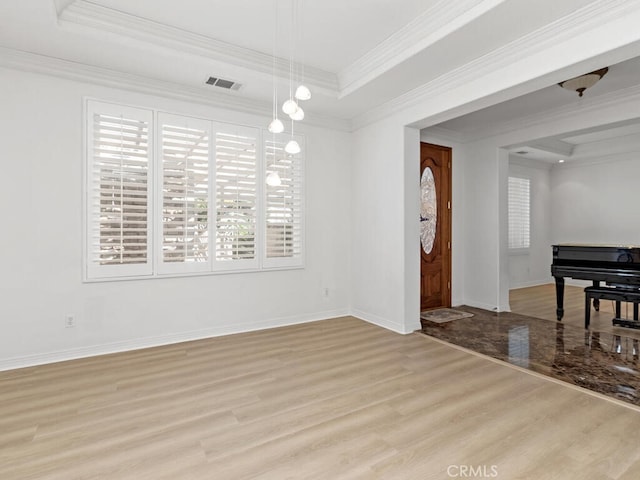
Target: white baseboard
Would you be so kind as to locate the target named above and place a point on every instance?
(380, 321)
(483, 306)
(137, 344)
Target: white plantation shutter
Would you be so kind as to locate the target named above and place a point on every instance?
(173, 195)
(184, 183)
(284, 229)
(118, 240)
(519, 212)
(236, 161)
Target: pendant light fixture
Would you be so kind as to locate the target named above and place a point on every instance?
(291, 106)
(292, 147)
(302, 92)
(298, 114)
(276, 125)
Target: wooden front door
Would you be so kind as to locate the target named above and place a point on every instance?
(435, 226)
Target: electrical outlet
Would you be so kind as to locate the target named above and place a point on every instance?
(69, 321)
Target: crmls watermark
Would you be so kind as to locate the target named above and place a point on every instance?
(472, 471)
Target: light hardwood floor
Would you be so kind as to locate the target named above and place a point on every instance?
(338, 399)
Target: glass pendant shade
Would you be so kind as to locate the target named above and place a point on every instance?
(273, 179)
(289, 107)
(292, 147)
(297, 115)
(303, 93)
(276, 126)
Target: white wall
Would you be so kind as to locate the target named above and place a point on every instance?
(377, 289)
(596, 201)
(378, 154)
(41, 201)
(533, 266)
(481, 214)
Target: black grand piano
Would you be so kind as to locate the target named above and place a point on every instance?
(615, 266)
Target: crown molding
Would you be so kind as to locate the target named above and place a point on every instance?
(553, 146)
(90, 15)
(35, 63)
(434, 24)
(582, 21)
(608, 147)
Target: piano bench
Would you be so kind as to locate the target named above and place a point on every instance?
(611, 293)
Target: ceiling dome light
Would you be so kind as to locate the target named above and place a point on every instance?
(292, 147)
(276, 126)
(303, 93)
(581, 83)
(289, 107)
(297, 115)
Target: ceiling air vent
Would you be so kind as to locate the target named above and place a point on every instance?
(222, 83)
(522, 152)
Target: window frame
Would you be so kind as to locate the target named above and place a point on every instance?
(255, 263)
(161, 266)
(155, 266)
(518, 250)
(91, 270)
(293, 261)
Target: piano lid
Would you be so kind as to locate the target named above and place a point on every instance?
(600, 256)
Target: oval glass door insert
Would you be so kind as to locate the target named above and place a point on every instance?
(428, 210)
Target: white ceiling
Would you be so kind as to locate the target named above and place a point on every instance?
(358, 54)
(511, 114)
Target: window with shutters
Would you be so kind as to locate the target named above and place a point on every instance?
(519, 213)
(184, 147)
(283, 205)
(118, 191)
(236, 197)
(193, 202)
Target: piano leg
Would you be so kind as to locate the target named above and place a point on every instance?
(559, 297)
(587, 311)
(596, 301)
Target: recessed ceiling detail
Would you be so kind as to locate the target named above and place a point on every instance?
(402, 55)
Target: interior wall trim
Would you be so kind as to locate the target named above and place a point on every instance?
(137, 344)
(34, 63)
(494, 64)
(425, 30)
(379, 321)
(90, 15)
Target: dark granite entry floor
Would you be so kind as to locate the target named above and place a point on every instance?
(602, 362)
